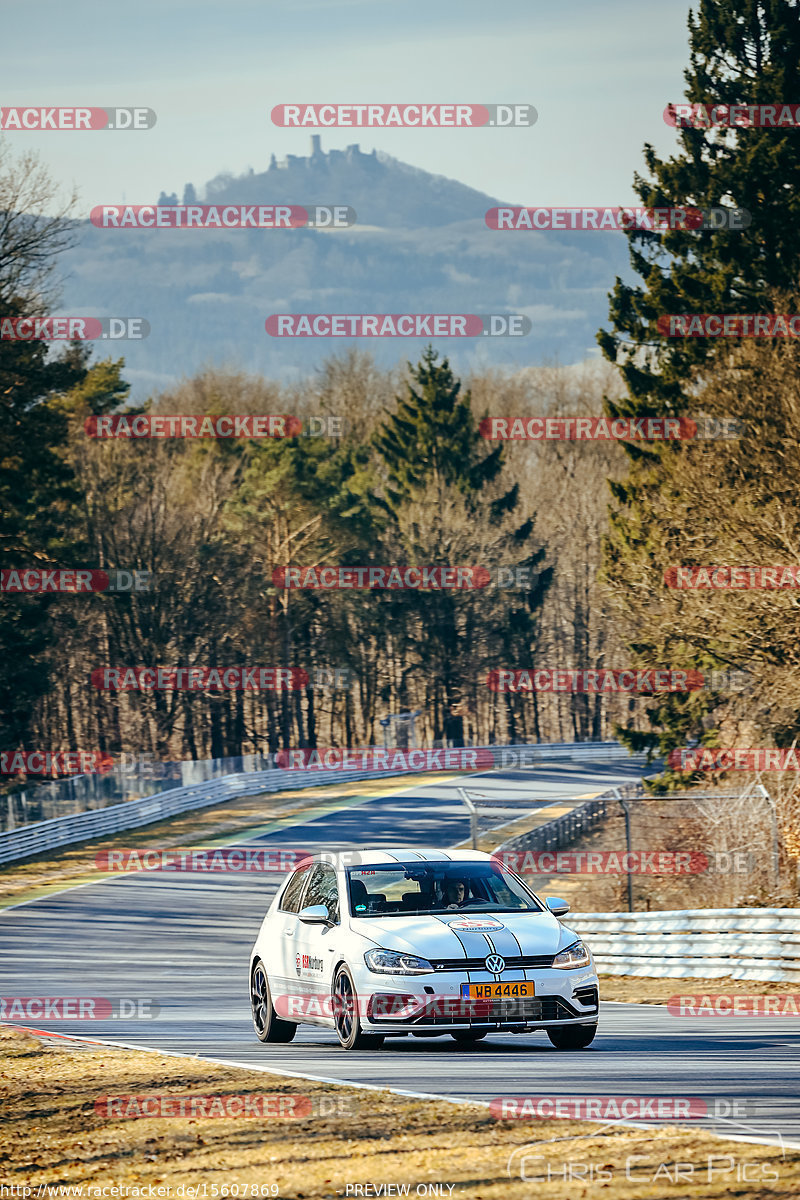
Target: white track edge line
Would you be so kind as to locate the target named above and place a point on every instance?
(374, 1087)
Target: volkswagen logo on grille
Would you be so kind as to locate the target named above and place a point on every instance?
(495, 964)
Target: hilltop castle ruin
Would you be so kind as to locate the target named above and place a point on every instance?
(294, 162)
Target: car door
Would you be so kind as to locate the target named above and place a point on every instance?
(316, 944)
(283, 941)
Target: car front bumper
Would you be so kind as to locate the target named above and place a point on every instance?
(403, 1004)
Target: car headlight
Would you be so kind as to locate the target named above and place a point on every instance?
(392, 962)
(576, 955)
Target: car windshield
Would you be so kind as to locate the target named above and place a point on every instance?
(399, 889)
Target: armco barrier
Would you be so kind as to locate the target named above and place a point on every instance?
(79, 827)
(146, 776)
(42, 836)
(542, 751)
(701, 943)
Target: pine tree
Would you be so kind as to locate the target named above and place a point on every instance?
(37, 485)
(38, 499)
(443, 492)
(433, 439)
(742, 52)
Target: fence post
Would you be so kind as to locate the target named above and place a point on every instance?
(626, 811)
(473, 816)
(776, 861)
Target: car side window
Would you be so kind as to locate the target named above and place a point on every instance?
(322, 889)
(290, 901)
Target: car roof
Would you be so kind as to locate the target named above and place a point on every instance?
(376, 855)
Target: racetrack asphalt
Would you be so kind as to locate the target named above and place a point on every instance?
(183, 940)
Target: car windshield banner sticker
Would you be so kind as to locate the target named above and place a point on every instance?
(475, 925)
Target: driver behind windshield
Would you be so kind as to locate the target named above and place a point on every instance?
(455, 893)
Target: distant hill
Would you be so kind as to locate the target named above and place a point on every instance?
(420, 245)
(383, 190)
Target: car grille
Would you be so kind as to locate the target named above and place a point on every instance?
(508, 1011)
(586, 995)
(513, 962)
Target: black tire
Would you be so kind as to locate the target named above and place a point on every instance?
(572, 1037)
(268, 1026)
(346, 1018)
(468, 1037)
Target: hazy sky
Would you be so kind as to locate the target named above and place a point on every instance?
(599, 75)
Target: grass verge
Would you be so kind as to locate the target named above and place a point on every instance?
(52, 1134)
(658, 991)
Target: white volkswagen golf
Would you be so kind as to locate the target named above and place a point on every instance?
(422, 942)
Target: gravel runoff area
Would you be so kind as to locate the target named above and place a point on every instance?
(82, 1120)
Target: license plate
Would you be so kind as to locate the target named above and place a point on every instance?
(498, 991)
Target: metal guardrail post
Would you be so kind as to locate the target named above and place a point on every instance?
(473, 816)
(626, 811)
(776, 860)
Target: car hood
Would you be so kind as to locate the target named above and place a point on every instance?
(456, 935)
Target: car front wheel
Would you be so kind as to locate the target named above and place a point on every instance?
(345, 1015)
(572, 1037)
(268, 1026)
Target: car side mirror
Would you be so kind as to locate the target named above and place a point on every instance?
(315, 914)
(558, 907)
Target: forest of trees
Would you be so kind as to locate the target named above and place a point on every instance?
(732, 502)
(411, 481)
